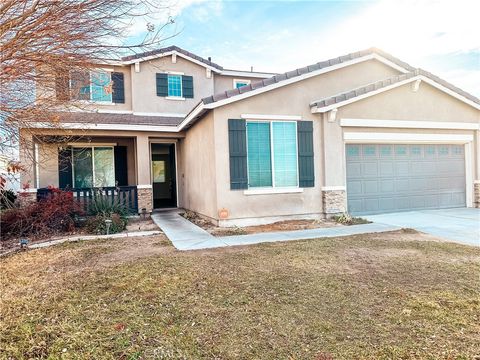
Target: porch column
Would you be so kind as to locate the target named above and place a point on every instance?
(28, 153)
(334, 198)
(144, 185)
(476, 182)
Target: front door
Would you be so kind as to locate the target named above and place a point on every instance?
(164, 176)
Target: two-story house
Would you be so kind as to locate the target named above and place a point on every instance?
(364, 132)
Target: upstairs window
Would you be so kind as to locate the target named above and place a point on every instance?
(95, 86)
(238, 83)
(174, 85)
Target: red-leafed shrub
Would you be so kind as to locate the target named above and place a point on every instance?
(54, 214)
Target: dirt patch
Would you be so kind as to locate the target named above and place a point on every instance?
(287, 225)
(134, 225)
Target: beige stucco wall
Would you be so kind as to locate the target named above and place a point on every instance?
(145, 97)
(292, 99)
(197, 173)
(224, 83)
(402, 103)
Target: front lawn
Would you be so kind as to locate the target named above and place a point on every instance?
(391, 296)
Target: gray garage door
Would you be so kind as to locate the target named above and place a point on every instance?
(389, 178)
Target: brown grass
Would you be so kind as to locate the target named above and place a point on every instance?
(387, 296)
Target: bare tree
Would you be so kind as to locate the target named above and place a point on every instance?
(42, 41)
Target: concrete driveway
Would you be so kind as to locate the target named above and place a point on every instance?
(460, 225)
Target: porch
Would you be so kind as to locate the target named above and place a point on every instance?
(139, 170)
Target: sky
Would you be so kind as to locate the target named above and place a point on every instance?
(442, 37)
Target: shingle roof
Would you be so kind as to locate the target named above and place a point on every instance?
(172, 48)
(124, 119)
(351, 94)
(304, 70)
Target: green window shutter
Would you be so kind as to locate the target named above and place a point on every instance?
(305, 154)
(118, 88)
(65, 167)
(162, 84)
(121, 167)
(187, 86)
(237, 141)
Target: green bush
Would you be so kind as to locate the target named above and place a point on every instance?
(96, 224)
(105, 205)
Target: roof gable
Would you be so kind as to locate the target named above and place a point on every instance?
(339, 100)
(166, 51)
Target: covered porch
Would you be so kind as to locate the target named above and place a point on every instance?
(139, 169)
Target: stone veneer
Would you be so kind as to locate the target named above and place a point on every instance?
(334, 202)
(27, 197)
(476, 194)
(145, 196)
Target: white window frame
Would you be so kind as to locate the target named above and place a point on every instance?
(174, 97)
(80, 146)
(256, 190)
(236, 81)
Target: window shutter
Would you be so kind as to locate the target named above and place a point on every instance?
(65, 167)
(62, 85)
(162, 84)
(120, 158)
(80, 85)
(237, 141)
(187, 87)
(305, 154)
(118, 88)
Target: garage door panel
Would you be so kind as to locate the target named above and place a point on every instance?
(387, 177)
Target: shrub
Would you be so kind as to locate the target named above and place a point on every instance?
(347, 219)
(51, 215)
(97, 225)
(103, 207)
(7, 199)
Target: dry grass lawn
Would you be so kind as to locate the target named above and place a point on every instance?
(385, 296)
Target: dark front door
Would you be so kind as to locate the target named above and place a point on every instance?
(164, 176)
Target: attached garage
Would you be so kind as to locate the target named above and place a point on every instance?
(400, 177)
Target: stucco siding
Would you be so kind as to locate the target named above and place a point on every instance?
(224, 83)
(197, 168)
(145, 97)
(402, 103)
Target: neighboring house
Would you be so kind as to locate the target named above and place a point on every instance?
(364, 133)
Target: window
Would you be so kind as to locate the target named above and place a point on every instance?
(100, 84)
(237, 83)
(174, 85)
(93, 166)
(95, 86)
(272, 154)
(369, 150)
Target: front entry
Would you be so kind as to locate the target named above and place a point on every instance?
(164, 176)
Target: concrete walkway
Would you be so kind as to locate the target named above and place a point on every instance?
(186, 236)
(461, 225)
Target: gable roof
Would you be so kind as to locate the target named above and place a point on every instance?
(301, 73)
(348, 97)
(168, 51)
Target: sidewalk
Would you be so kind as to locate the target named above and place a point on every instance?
(187, 236)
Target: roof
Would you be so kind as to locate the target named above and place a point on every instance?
(124, 119)
(305, 70)
(327, 103)
(169, 49)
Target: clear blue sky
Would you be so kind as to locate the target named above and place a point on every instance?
(439, 36)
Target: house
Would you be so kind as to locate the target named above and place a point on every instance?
(364, 133)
